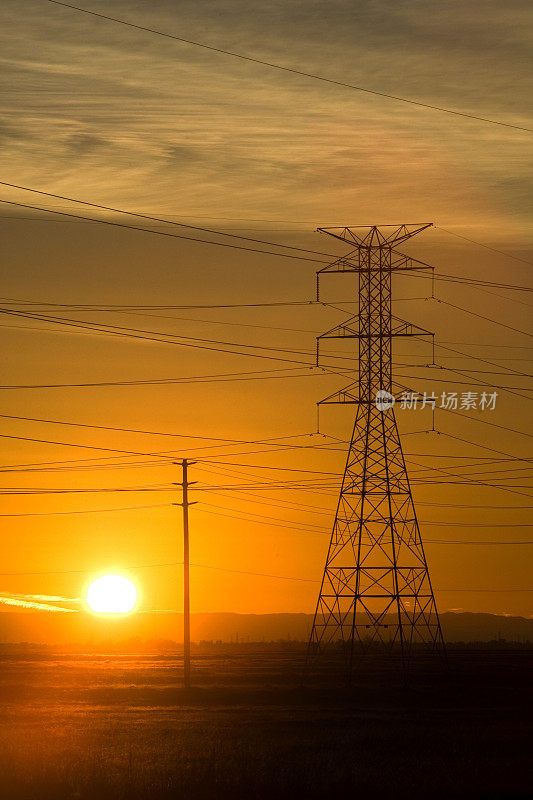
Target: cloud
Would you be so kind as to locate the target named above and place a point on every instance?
(183, 155)
(38, 602)
(135, 120)
(85, 143)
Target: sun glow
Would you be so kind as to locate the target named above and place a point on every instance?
(112, 594)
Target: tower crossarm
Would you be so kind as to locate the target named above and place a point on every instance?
(399, 261)
(350, 329)
(376, 235)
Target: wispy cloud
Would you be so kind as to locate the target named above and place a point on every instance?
(40, 602)
(132, 119)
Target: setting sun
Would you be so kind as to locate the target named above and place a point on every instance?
(112, 594)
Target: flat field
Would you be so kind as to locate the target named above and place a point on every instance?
(120, 726)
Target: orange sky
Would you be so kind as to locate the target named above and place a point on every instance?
(114, 116)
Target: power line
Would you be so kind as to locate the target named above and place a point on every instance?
(129, 465)
(468, 357)
(454, 524)
(217, 568)
(504, 487)
(88, 447)
(486, 246)
(112, 490)
(120, 329)
(229, 377)
(264, 466)
(157, 455)
(505, 297)
(491, 344)
(159, 219)
(179, 340)
(486, 422)
(154, 433)
(151, 307)
(490, 459)
(485, 590)
(511, 371)
(481, 446)
(327, 447)
(225, 441)
(123, 332)
(446, 277)
(438, 276)
(170, 458)
(209, 216)
(134, 464)
(85, 511)
(237, 514)
(290, 505)
(464, 505)
(467, 475)
(82, 463)
(496, 474)
(485, 462)
(161, 317)
(174, 318)
(281, 524)
(160, 233)
(455, 382)
(273, 522)
(487, 319)
(291, 70)
(240, 515)
(434, 365)
(313, 580)
(321, 487)
(84, 571)
(225, 323)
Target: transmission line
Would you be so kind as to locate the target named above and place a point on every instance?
(486, 246)
(160, 233)
(291, 70)
(487, 319)
(85, 511)
(165, 221)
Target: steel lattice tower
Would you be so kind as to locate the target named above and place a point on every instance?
(376, 586)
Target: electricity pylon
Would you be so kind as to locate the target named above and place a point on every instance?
(376, 587)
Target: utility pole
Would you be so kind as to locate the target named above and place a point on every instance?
(376, 589)
(186, 584)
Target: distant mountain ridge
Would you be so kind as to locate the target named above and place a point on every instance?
(42, 627)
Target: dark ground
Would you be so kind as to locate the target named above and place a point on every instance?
(120, 726)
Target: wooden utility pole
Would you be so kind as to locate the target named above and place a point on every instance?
(186, 585)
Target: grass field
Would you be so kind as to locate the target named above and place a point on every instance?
(120, 726)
